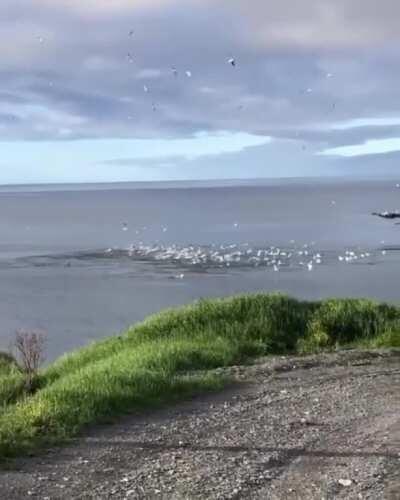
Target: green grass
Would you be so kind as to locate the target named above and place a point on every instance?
(167, 356)
(12, 382)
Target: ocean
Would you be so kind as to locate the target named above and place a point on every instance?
(83, 262)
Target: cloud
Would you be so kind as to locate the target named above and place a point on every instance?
(106, 7)
(320, 24)
(73, 72)
(269, 82)
(159, 162)
(370, 147)
(148, 74)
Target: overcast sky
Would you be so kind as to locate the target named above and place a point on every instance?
(119, 90)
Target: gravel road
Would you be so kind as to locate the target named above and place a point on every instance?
(319, 427)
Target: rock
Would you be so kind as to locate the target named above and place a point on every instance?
(345, 482)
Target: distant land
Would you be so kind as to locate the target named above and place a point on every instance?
(182, 184)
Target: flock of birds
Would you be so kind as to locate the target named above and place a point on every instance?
(239, 256)
(130, 58)
(233, 63)
(235, 255)
(197, 257)
(174, 70)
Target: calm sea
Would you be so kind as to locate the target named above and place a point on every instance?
(84, 262)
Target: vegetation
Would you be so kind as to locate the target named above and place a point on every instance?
(6, 362)
(11, 380)
(30, 351)
(167, 357)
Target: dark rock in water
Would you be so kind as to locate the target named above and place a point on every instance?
(387, 215)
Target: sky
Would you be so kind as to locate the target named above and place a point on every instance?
(142, 90)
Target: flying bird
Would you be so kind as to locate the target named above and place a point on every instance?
(188, 73)
(145, 88)
(174, 71)
(131, 33)
(232, 61)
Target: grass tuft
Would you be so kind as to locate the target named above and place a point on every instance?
(339, 322)
(12, 382)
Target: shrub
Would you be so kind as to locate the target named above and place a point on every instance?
(345, 321)
(11, 380)
(30, 351)
(7, 362)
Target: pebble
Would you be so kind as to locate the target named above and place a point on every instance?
(345, 482)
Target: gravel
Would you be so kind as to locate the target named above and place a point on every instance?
(317, 427)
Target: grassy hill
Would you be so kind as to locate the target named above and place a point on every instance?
(167, 356)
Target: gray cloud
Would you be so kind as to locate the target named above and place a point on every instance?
(66, 75)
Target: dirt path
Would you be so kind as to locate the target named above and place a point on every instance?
(324, 427)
